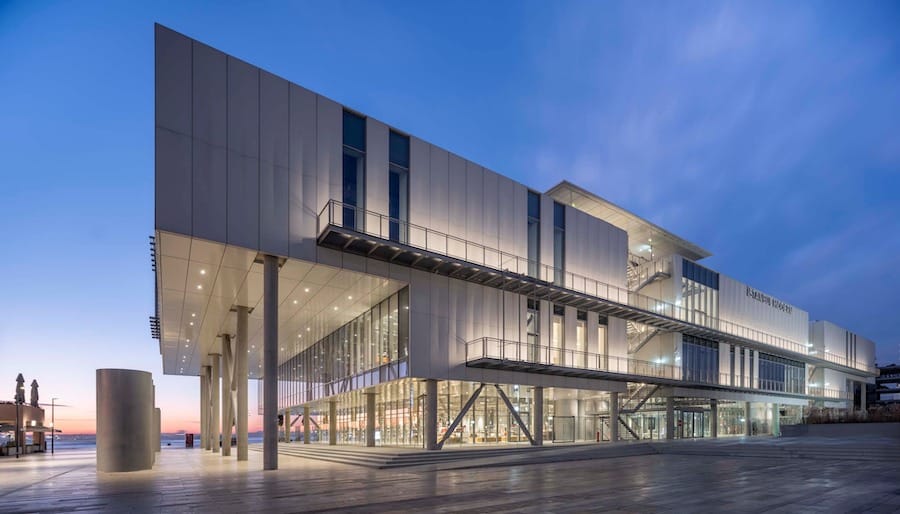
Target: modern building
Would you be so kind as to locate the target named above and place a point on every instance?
(385, 291)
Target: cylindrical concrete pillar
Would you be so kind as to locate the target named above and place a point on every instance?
(227, 415)
(714, 418)
(215, 425)
(537, 416)
(124, 420)
(204, 408)
(306, 424)
(332, 422)
(287, 425)
(747, 425)
(157, 428)
(776, 420)
(156, 436)
(431, 392)
(614, 416)
(240, 372)
(670, 417)
(270, 362)
(370, 419)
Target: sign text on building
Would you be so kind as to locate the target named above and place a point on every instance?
(768, 300)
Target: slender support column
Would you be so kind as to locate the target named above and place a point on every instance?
(537, 416)
(208, 435)
(862, 397)
(670, 417)
(306, 424)
(614, 416)
(714, 418)
(370, 419)
(776, 420)
(241, 377)
(431, 390)
(747, 429)
(227, 415)
(270, 362)
(215, 425)
(287, 425)
(204, 405)
(332, 423)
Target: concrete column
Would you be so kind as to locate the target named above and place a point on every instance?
(370, 419)
(714, 418)
(215, 425)
(206, 378)
(332, 422)
(227, 415)
(537, 416)
(776, 420)
(614, 417)
(125, 428)
(431, 414)
(287, 425)
(240, 375)
(862, 396)
(670, 417)
(747, 429)
(306, 424)
(270, 362)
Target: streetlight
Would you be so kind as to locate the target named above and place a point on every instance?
(52, 425)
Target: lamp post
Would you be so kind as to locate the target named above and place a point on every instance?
(52, 425)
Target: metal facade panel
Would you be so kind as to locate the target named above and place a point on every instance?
(491, 205)
(243, 200)
(376, 167)
(209, 102)
(209, 192)
(439, 177)
(243, 108)
(456, 197)
(274, 183)
(328, 151)
(303, 208)
(173, 80)
(173, 181)
(419, 188)
(474, 202)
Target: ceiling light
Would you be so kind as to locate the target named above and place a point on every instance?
(199, 286)
(305, 289)
(295, 302)
(203, 272)
(349, 297)
(192, 323)
(188, 340)
(193, 314)
(253, 346)
(307, 329)
(187, 345)
(335, 307)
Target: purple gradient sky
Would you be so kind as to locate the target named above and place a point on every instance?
(764, 131)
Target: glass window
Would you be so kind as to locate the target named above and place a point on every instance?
(534, 233)
(399, 150)
(398, 188)
(532, 329)
(559, 242)
(354, 171)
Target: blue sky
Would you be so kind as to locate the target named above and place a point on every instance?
(764, 131)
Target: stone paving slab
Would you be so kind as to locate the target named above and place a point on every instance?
(199, 481)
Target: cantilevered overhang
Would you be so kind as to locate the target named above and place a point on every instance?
(642, 234)
(200, 282)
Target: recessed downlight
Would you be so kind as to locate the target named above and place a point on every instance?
(305, 289)
(203, 272)
(199, 287)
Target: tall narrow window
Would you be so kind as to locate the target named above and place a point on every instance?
(602, 346)
(533, 330)
(558, 337)
(559, 242)
(581, 339)
(534, 233)
(354, 167)
(398, 205)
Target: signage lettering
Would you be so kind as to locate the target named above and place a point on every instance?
(768, 300)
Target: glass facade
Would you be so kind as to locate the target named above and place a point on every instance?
(699, 293)
(369, 350)
(534, 233)
(533, 329)
(398, 188)
(699, 359)
(781, 374)
(353, 190)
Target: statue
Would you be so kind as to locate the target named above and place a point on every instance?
(20, 389)
(34, 393)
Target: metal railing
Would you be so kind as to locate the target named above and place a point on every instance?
(648, 271)
(518, 351)
(523, 352)
(423, 238)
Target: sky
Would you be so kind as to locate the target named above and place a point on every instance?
(766, 132)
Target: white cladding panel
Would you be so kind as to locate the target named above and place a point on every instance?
(329, 151)
(303, 207)
(377, 180)
(419, 189)
(776, 318)
(274, 156)
(594, 249)
(439, 192)
(473, 202)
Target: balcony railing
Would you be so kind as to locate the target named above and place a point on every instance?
(415, 236)
(521, 352)
(525, 353)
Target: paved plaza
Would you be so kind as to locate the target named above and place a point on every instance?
(198, 481)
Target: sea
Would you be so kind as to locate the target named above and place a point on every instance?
(167, 441)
